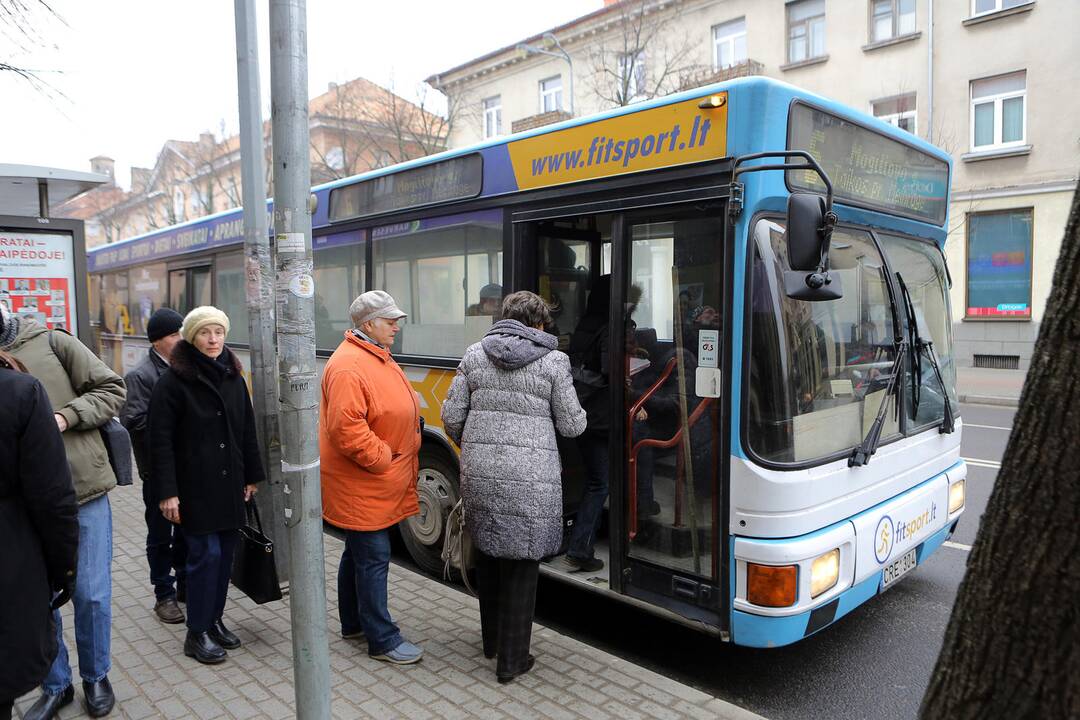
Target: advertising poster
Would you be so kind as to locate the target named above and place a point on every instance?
(37, 277)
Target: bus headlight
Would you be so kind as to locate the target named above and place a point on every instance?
(824, 572)
(956, 496)
(771, 585)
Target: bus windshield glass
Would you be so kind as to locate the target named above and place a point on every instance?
(867, 168)
(818, 371)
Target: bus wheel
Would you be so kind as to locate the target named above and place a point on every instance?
(437, 491)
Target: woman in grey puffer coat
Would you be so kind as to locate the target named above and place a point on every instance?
(512, 392)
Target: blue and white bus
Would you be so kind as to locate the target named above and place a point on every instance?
(782, 429)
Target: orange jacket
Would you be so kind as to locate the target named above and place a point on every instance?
(369, 438)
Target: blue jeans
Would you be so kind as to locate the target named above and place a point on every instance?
(362, 589)
(165, 550)
(209, 567)
(594, 453)
(92, 601)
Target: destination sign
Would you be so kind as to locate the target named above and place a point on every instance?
(867, 168)
(454, 179)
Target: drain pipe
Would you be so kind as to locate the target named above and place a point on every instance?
(930, 71)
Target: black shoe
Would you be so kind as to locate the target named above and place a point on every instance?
(47, 706)
(99, 697)
(503, 679)
(203, 648)
(591, 564)
(222, 636)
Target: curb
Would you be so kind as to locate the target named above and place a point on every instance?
(990, 400)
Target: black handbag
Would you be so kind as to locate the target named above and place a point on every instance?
(254, 572)
(118, 446)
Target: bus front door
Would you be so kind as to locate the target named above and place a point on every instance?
(672, 271)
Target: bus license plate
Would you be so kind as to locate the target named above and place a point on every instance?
(898, 569)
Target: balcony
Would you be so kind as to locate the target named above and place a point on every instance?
(708, 76)
(535, 121)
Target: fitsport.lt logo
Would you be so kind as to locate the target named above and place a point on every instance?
(888, 534)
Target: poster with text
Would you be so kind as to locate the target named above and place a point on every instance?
(37, 277)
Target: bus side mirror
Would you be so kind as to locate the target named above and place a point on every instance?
(809, 233)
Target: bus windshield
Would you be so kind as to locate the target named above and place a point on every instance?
(818, 371)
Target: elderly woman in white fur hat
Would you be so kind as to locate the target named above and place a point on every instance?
(205, 466)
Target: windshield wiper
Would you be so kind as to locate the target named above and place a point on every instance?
(918, 347)
(860, 455)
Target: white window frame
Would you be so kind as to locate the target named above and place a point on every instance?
(335, 158)
(178, 203)
(723, 37)
(894, 119)
(998, 101)
(894, 17)
(491, 122)
(555, 95)
(999, 5)
(808, 23)
(636, 87)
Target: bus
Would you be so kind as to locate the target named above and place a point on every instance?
(784, 434)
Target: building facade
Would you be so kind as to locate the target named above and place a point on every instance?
(353, 127)
(975, 77)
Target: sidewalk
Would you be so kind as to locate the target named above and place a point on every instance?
(153, 679)
(990, 387)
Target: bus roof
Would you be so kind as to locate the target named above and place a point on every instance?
(747, 115)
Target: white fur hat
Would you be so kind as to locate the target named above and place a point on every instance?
(200, 317)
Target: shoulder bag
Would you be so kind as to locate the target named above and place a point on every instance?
(254, 572)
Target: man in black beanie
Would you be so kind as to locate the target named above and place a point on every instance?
(166, 551)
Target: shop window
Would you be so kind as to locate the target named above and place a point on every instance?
(999, 264)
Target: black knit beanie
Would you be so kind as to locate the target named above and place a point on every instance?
(164, 321)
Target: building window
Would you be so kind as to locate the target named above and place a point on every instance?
(891, 19)
(178, 204)
(999, 111)
(999, 264)
(631, 77)
(982, 7)
(898, 111)
(335, 158)
(729, 43)
(806, 30)
(492, 116)
(551, 94)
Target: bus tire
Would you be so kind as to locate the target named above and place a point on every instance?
(437, 489)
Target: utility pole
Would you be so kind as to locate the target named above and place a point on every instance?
(297, 372)
(257, 270)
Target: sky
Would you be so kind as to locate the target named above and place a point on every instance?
(124, 76)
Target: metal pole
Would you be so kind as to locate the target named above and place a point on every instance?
(297, 372)
(257, 270)
(43, 198)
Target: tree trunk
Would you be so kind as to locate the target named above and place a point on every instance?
(1012, 648)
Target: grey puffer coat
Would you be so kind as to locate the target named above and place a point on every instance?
(512, 391)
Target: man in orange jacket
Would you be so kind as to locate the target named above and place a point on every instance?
(369, 440)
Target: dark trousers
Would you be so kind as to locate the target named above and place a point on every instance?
(5, 709)
(209, 567)
(166, 551)
(362, 589)
(507, 590)
(594, 454)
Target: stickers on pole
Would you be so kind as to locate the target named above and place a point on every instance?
(302, 286)
(289, 242)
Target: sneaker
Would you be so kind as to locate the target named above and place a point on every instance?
(591, 564)
(404, 654)
(168, 611)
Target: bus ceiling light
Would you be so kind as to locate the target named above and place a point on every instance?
(956, 496)
(824, 572)
(712, 102)
(771, 585)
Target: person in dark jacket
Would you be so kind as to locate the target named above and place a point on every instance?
(204, 467)
(84, 394)
(39, 531)
(165, 548)
(512, 393)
